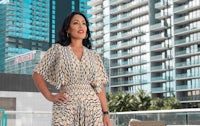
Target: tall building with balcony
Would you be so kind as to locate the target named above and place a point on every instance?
(162, 49)
(129, 45)
(150, 45)
(32, 25)
(100, 29)
(187, 50)
(24, 27)
(97, 24)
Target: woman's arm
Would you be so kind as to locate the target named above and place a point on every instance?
(103, 100)
(41, 85)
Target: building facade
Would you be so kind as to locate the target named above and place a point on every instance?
(32, 25)
(150, 45)
(24, 27)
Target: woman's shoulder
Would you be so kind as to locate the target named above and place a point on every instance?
(92, 52)
(57, 47)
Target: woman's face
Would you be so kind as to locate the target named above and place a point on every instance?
(77, 28)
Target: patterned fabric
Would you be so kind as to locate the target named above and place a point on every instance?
(81, 78)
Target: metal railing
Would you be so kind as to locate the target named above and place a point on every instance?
(170, 117)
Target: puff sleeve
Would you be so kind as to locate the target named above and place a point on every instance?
(48, 67)
(100, 76)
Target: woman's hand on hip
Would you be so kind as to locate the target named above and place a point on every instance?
(59, 97)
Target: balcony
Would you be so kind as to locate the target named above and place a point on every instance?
(160, 68)
(162, 15)
(128, 6)
(96, 10)
(158, 79)
(124, 64)
(159, 37)
(118, 2)
(133, 72)
(127, 83)
(158, 89)
(185, 8)
(127, 45)
(189, 98)
(114, 83)
(180, 1)
(183, 75)
(97, 35)
(159, 26)
(185, 20)
(186, 30)
(96, 27)
(126, 35)
(96, 18)
(187, 87)
(128, 16)
(181, 41)
(159, 58)
(95, 2)
(181, 8)
(160, 47)
(161, 5)
(127, 26)
(184, 53)
(98, 43)
(180, 65)
(127, 54)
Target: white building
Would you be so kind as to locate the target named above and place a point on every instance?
(152, 45)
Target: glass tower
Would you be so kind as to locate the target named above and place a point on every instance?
(84, 7)
(24, 27)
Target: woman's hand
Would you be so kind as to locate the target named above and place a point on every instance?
(59, 97)
(106, 120)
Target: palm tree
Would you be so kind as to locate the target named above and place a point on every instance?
(156, 104)
(171, 103)
(142, 100)
(121, 102)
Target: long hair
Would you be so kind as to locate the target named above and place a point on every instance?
(65, 40)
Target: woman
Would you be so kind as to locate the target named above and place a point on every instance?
(78, 73)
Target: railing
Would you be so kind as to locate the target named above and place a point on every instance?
(170, 117)
(28, 118)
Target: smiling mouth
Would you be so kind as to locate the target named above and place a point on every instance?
(81, 31)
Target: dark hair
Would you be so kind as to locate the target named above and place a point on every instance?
(65, 40)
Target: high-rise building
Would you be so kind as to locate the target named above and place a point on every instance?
(150, 45)
(24, 27)
(32, 25)
(63, 8)
(100, 29)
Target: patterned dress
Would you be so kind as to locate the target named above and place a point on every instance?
(81, 78)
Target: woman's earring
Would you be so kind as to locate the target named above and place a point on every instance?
(67, 35)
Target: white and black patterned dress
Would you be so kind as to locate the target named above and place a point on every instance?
(81, 78)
